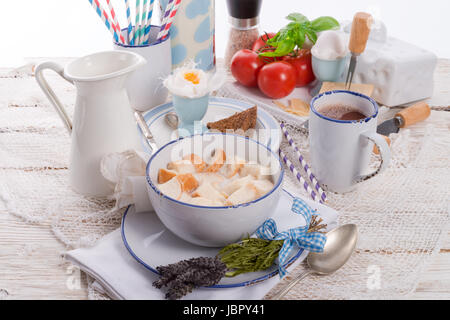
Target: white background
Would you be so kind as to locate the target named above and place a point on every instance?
(52, 28)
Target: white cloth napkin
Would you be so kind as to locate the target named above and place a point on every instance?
(126, 171)
(121, 277)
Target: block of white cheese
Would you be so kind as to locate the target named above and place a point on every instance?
(400, 72)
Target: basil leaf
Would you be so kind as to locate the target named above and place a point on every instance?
(274, 41)
(284, 33)
(269, 54)
(300, 38)
(284, 48)
(294, 34)
(311, 35)
(324, 23)
(297, 17)
(292, 25)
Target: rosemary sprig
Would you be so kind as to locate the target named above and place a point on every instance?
(250, 255)
(255, 254)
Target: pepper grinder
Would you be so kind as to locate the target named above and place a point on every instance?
(243, 26)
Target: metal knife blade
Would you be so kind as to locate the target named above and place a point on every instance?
(388, 127)
(351, 72)
(146, 131)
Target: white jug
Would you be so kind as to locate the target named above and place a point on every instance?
(103, 120)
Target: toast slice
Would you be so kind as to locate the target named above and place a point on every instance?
(239, 121)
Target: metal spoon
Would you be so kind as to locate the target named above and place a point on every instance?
(339, 247)
(145, 130)
(172, 119)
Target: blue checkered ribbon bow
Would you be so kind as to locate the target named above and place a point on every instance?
(313, 241)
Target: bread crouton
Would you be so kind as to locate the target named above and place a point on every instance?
(188, 182)
(210, 177)
(165, 175)
(206, 190)
(236, 184)
(181, 166)
(171, 188)
(197, 161)
(262, 186)
(256, 170)
(244, 194)
(231, 169)
(217, 161)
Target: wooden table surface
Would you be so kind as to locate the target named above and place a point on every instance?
(31, 266)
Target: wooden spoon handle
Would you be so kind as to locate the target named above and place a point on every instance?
(418, 112)
(359, 35)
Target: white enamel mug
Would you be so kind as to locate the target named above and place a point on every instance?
(145, 86)
(340, 149)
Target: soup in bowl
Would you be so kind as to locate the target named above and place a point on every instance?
(215, 188)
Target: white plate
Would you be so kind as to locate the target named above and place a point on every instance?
(267, 128)
(152, 245)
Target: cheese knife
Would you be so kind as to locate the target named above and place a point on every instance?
(359, 35)
(409, 116)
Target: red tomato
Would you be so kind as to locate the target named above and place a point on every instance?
(303, 67)
(245, 66)
(277, 79)
(261, 42)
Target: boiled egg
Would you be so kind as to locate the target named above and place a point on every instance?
(190, 82)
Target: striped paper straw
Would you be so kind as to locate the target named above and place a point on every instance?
(122, 40)
(299, 178)
(165, 17)
(163, 32)
(115, 21)
(105, 19)
(130, 25)
(137, 30)
(143, 22)
(149, 20)
(305, 166)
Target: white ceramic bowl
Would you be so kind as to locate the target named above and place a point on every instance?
(214, 226)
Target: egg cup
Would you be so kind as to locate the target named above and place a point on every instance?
(190, 113)
(328, 70)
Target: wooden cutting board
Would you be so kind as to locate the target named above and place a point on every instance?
(366, 89)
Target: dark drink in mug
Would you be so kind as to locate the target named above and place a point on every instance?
(341, 112)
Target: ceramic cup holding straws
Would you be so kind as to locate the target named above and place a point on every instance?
(145, 87)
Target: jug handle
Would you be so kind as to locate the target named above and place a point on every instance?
(49, 91)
